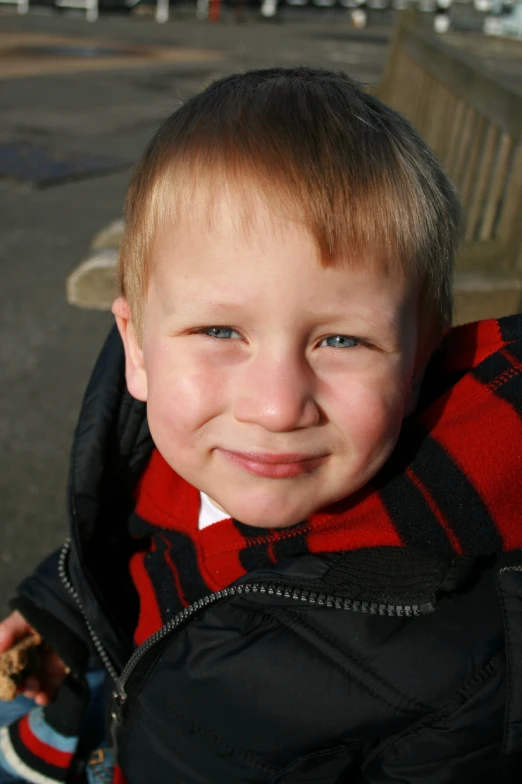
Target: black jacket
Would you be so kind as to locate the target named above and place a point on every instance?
(381, 665)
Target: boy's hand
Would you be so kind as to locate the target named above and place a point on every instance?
(52, 669)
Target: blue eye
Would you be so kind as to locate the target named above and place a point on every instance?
(222, 333)
(339, 341)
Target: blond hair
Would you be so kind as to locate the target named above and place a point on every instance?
(316, 148)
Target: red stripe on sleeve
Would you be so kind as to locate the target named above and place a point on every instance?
(60, 759)
(118, 777)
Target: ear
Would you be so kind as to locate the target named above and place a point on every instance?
(134, 365)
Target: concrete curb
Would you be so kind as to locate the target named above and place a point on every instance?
(91, 284)
(110, 236)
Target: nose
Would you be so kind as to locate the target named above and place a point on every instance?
(277, 393)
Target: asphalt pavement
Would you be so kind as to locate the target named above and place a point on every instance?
(64, 91)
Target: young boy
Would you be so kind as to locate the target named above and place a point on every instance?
(302, 562)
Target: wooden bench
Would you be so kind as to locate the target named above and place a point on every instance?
(460, 94)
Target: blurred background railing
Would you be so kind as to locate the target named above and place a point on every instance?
(494, 16)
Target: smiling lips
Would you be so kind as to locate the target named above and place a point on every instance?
(274, 466)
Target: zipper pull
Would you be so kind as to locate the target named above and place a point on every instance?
(117, 703)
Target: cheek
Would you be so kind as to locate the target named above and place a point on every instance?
(182, 395)
(370, 416)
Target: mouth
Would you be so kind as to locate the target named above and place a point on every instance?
(275, 466)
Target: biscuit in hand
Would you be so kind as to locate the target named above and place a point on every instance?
(18, 663)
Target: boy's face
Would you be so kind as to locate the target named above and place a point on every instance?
(274, 385)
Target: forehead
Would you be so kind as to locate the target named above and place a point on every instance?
(241, 218)
(241, 205)
(266, 263)
(221, 212)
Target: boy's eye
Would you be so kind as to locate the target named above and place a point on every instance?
(223, 333)
(339, 341)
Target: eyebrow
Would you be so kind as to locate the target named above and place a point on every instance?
(187, 307)
(205, 309)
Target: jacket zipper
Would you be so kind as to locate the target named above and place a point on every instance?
(307, 595)
(62, 571)
(119, 696)
(272, 589)
(288, 592)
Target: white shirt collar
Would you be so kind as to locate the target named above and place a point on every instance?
(209, 513)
